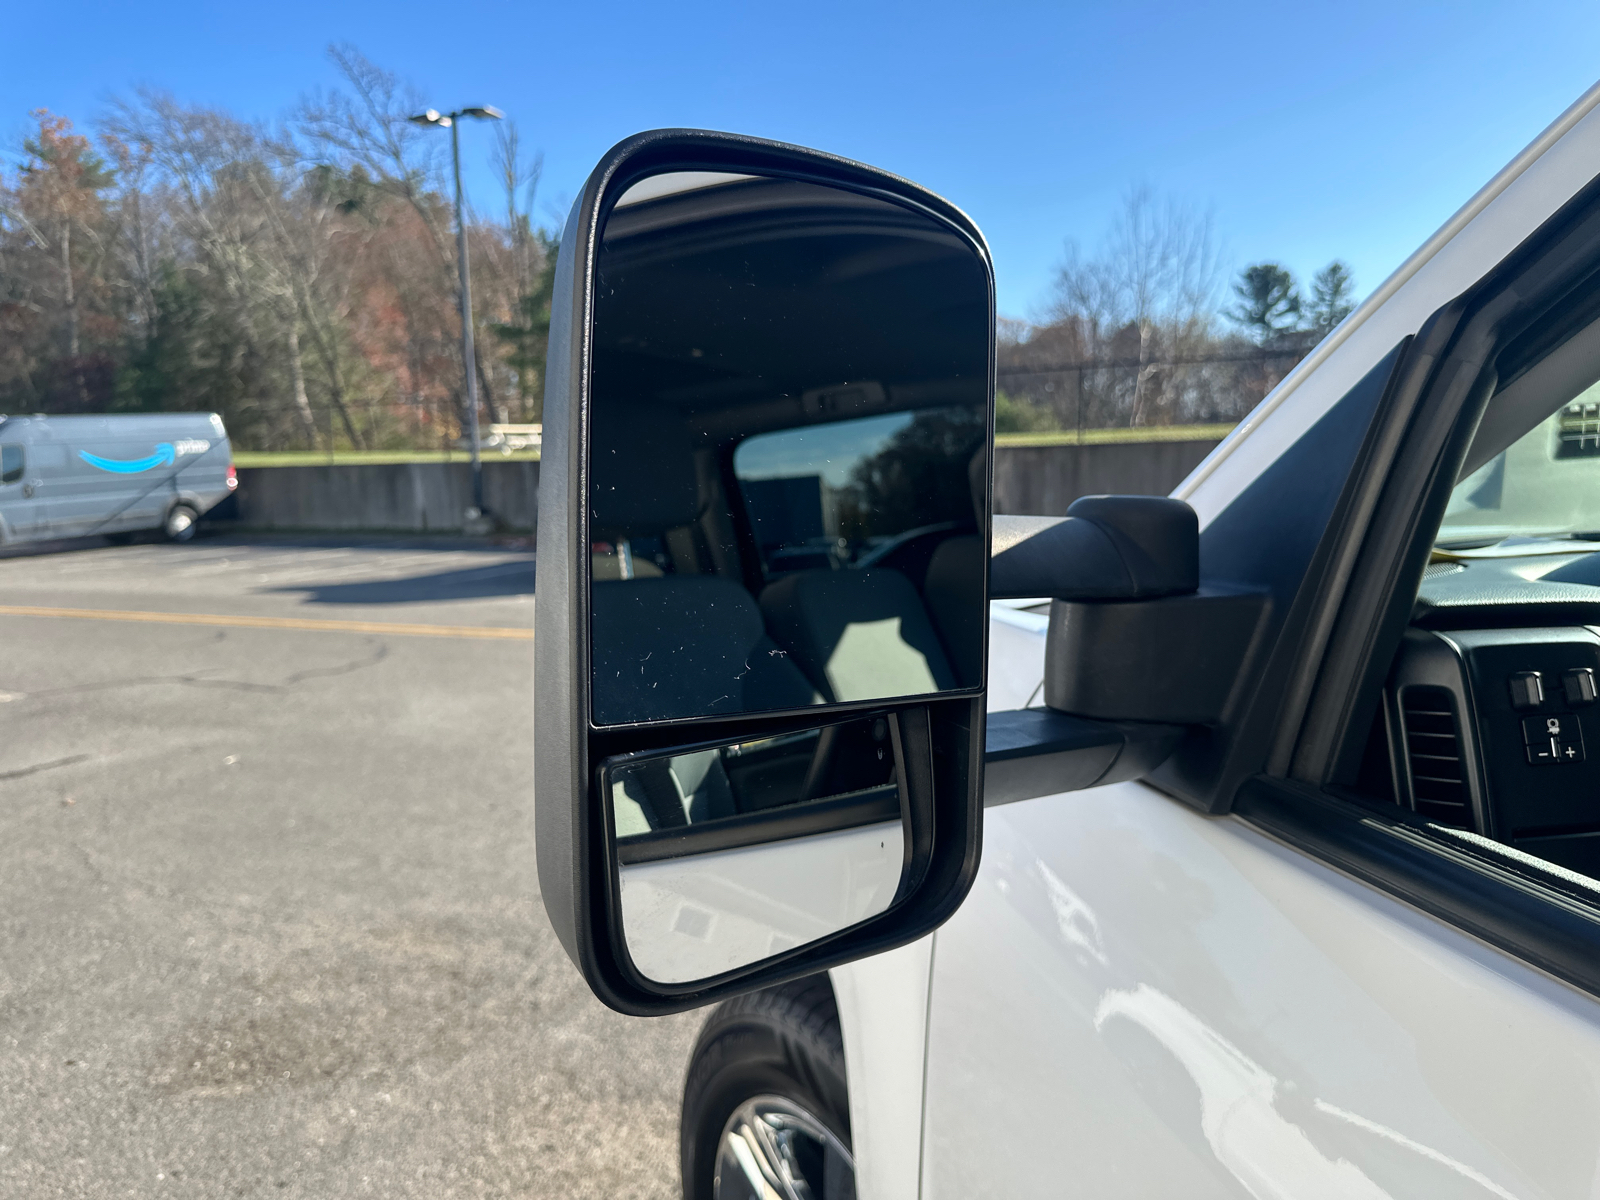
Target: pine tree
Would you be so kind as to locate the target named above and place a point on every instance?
(1332, 297)
(1269, 302)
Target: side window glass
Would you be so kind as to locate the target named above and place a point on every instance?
(1491, 705)
(1544, 485)
(11, 465)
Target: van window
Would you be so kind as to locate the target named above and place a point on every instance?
(10, 464)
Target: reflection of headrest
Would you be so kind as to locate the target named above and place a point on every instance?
(641, 471)
(859, 634)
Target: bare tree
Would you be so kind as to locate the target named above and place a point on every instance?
(300, 279)
(519, 180)
(1152, 281)
(371, 128)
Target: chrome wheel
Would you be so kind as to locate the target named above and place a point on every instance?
(180, 523)
(772, 1149)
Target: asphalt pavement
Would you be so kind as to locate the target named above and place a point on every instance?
(269, 921)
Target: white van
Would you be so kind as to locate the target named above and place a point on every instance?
(79, 475)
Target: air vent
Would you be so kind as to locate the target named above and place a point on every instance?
(1433, 748)
(1434, 570)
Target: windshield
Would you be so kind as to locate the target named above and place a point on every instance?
(1544, 485)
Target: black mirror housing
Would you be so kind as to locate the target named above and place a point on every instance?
(587, 755)
(1105, 548)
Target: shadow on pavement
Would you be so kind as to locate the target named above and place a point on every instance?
(501, 579)
(57, 546)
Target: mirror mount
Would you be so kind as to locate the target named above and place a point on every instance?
(1134, 636)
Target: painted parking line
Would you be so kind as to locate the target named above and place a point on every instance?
(401, 629)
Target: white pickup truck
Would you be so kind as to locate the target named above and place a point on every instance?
(1270, 876)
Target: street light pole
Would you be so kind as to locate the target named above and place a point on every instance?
(468, 361)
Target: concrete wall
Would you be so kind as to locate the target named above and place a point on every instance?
(1045, 479)
(398, 497)
(432, 497)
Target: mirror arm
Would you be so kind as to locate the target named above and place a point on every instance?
(1033, 752)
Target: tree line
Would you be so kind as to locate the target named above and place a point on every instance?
(297, 277)
(1138, 332)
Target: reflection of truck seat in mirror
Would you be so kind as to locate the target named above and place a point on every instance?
(671, 646)
(859, 634)
(953, 586)
(668, 793)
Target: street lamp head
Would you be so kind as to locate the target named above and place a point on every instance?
(431, 117)
(486, 112)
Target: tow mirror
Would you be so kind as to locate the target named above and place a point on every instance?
(763, 543)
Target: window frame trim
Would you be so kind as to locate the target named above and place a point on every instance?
(1537, 912)
(7, 478)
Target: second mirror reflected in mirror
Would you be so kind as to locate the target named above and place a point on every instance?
(730, 854)
(787, 451)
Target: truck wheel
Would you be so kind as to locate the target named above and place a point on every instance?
(180, 523)
(765, 1107)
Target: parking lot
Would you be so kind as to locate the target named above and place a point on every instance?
(270, 918)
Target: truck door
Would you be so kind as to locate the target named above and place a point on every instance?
(1343, 952)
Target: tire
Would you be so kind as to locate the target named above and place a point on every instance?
(766, 1095)
(180, 524)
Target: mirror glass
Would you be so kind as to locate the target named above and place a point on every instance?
(787, 436)
(728, 854)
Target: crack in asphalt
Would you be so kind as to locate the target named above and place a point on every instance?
(199, 679)
(44, 766)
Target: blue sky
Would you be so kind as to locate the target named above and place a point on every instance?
(1310, 130)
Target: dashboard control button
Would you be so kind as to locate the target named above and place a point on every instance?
(1555, 728)
(1579, 683)
(1527, 689)
(1554, 738)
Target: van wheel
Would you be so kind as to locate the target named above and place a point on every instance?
(765, 1106)
(180, 523)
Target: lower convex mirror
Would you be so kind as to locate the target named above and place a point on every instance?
(729, 854)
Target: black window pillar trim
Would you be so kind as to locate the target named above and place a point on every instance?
(1535, 911)
(1452, 363)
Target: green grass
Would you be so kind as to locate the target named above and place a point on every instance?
(1059, 437)
(1098, 437)
(316, 458)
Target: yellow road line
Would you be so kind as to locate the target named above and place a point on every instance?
(243, 622)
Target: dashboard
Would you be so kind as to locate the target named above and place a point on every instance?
(1492, 708)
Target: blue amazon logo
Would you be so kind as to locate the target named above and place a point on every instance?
(164, 454)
